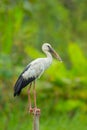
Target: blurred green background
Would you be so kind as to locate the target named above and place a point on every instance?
(62, 90)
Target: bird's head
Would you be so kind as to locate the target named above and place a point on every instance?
(46, 47)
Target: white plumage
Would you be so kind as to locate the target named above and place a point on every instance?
(35, 69)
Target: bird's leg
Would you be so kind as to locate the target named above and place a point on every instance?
(34, 91)
(36, 110)
(29, 99)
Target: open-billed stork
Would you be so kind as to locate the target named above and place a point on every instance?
(33, 71)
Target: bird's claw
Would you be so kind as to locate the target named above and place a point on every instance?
(34, 111)
(31, 110)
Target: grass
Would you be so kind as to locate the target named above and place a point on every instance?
(14, 115)
(18, 122)
(17, 118)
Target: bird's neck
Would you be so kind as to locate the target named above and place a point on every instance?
(48, 59)
(49, 56)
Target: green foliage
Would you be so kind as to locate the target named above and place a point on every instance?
(62, 90)
(78, 60)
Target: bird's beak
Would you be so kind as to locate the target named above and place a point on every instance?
(54, 53)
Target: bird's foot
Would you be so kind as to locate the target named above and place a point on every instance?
(31, 110)
(36, 111)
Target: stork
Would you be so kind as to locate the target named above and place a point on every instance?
(33, 71)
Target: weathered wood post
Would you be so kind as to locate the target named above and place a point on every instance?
(36, 118)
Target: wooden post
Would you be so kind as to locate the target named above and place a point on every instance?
(36, 117)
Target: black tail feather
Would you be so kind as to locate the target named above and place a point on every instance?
(17, 93)
(20, 84)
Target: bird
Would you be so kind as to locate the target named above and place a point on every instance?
(33, 71)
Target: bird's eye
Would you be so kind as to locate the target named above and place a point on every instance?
(48, 46)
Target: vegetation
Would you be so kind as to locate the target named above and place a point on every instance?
(62, 90)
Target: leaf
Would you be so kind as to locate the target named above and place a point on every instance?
(79, 62)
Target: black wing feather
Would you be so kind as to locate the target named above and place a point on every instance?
(21, 82)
